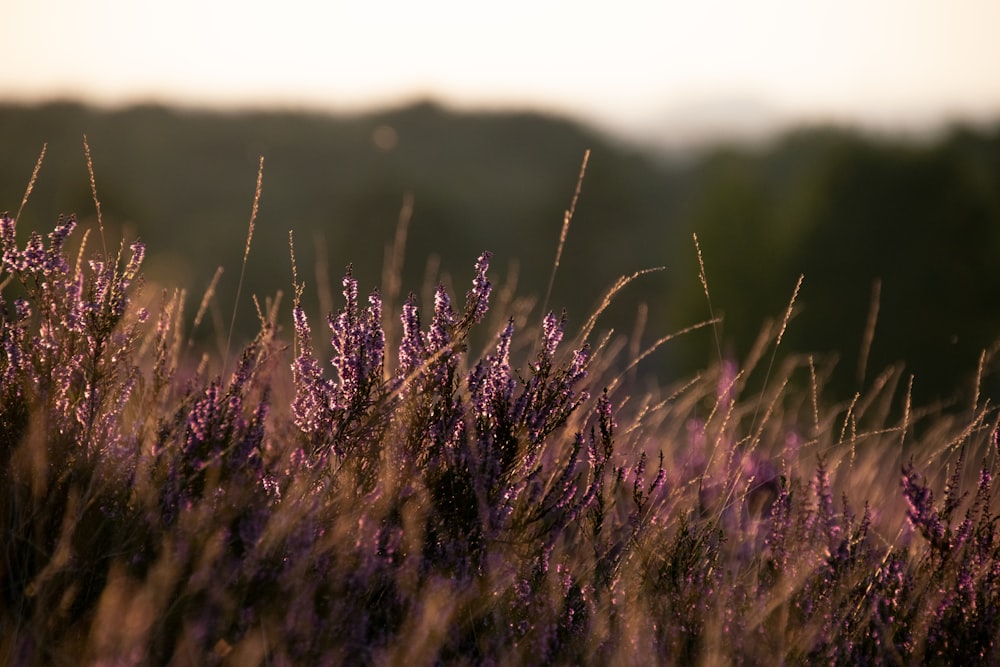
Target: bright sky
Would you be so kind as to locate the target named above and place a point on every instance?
(616, 62)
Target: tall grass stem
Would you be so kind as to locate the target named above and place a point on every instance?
(246, 255)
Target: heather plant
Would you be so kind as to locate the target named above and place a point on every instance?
(356, 502)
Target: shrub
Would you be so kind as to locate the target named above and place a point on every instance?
(522, 506)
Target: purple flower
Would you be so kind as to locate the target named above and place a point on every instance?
(438, 342)
(921, 511)
(330, 408)
(8, 239)
(491, 385)
(311, 391)
(824, 498)
(439, 335)
(35, 255)
(552, 333)
(781, 525)
(202, 422)
(22, 309)
(359, 346)
(411, 345)
(477, 299)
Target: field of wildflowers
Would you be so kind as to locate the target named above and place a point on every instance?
(420, 499)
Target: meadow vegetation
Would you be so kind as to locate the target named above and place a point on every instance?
(462, 481)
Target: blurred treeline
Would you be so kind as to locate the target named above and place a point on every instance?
(844, 208)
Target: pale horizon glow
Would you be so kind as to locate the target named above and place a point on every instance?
(625, 65)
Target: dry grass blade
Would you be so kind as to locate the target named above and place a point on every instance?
(209, 293)
(979, 381)
(906, 413)
(246, 255)
(814, 395)
(637, 357)
(619, 285)
(869, 335)
(708, 297)
(93, 192)
(774, 351)
(392, 272)
(567, 218)
(31, 181)
(788, 312)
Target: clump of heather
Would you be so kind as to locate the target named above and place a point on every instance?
(332, 499)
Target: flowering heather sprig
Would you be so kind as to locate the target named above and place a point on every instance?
(976, 533)
(552, 334)
(492, 387)
(358, 348)
(438, 343)
(599, 452)
(921, 511)
(122, 281)
(433, 352)
(357, 342)
(439, 335)
(12, 338)
(511, 425)
(312, 392)
(36, 258)
(550, 397)
(547, 398)
(9, 255)
(477, 299)
(217, 435)
(827, 527)
(34, 255)
(79, 361)
(332, 410)
(106, 299)
(781, 526)
(204, 427)
(56, 261)
(411, 346)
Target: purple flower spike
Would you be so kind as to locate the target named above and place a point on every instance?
(444, 318)
(552, 332)
(493, 387)
(34, 254)
(138, 254)
(55, 261)
(477, 299)
(411, 346)
(921, 511)
(310, 390)
(7, 238)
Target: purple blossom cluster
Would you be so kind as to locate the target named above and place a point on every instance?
(335, 411)
(66, 340)
(427, 504)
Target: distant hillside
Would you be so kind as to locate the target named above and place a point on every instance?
(842, 208)
(184, 182)
(922, 219)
